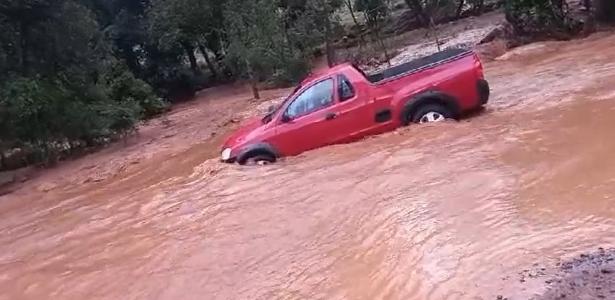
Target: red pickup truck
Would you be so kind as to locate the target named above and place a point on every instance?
(344, 104)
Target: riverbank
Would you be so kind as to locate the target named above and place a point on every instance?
(588, 276)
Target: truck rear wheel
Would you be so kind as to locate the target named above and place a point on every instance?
(431, 113)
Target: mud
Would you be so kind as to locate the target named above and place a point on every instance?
(196, 127)
(588, 276)
(462, 210)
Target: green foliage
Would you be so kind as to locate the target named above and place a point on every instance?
(294, 70)
(374, 10)
(124, 26)
(272, 40)
(177, 28)
(59, 79)
(38, 111)
(123, 87)
(49, 37)
(89, 70)
(255, 40)
(177, 21)
(540, 18)
(438, 11)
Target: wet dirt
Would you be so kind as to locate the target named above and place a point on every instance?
(588, 276)
(449, 211)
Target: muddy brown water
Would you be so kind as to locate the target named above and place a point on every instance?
(449, 211)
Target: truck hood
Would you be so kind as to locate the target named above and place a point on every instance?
(245, 132)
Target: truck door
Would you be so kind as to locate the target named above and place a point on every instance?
(352, 113)
(306, 120)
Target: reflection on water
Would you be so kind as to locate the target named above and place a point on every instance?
(450, 211)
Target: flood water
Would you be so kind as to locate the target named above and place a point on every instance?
(446, 211)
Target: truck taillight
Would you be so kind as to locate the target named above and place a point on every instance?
(478, 67)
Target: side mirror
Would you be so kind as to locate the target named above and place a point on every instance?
(286, 118)
(271, 109)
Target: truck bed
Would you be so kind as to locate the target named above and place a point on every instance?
(416, 65)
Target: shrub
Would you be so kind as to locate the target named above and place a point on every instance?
(175, 83)
(124, 87)
(290, 73)
(40, 114)
(541, 18)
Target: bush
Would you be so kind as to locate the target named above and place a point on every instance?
(291, 73)
(124, 87)
(32, 109)
(37, 110)
(175, 82)
(43, 114)
(541, 19)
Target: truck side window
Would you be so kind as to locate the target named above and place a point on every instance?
(345, 88)
(314, 98)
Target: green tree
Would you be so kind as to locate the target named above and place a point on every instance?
(50, 37)
(418, 7)
(312, 22)
(540, 18)
(256, 44)
(375, 13)
(191, 24)
(351, 9)
(124, 24)
(57, 83)
(172, 25)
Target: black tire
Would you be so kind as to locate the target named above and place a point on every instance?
(258, 159)
(423, 110)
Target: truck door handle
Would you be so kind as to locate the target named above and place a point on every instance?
(330, 116)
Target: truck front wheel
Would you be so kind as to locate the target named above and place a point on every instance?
(258, 159)
(431, 113)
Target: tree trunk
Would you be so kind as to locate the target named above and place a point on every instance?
(356, 23)
(376, 30)
(384, 49)
(432, 25)
(330, 54)
(351, 10)
(210, 64)
(254, 86)
(253, 81)
(460, 8)
(191, 57)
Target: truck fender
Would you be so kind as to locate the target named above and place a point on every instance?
(255, 149)
(428, 97)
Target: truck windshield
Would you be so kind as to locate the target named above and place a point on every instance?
(274, 110)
